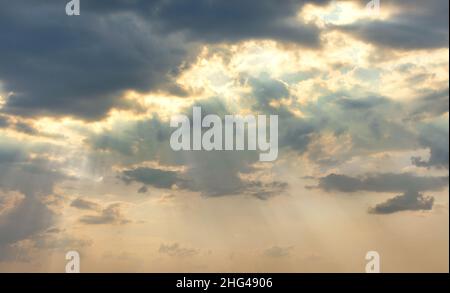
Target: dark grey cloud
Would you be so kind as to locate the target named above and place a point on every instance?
(367, 118)
(143, 189)
(84, 204)
(379, 123)
(436, 139)
(374, 123)
(408, 201)
(362, 103)
(409, 184)
(133, 141)
(60, 65)
(211, 177)
(151, 176)
(224, 21)
(80, 66)
(23, 221)
(112, 214)
(265, 89)
(218, 173)
(30, 216)
(34, 179)
(4, 121)
(11, 153)
(416, 25)
(296, 132)
(430, 105)
(24, 127)
(211, 173)
(236, 20)
(382, 182)
(265, 190)
(13, 252)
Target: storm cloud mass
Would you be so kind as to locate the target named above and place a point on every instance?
(57, 65)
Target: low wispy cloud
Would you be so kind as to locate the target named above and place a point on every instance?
(112, 214)
(382, 182)
(177, 250)
(408, 201)
(84, 204)
(278, 251)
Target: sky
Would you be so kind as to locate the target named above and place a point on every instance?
(362, 99)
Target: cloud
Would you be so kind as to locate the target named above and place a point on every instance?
(4, 121)
(34, 180)
(41, 174)
(430, 105)
(408, 201)
(214, 21)
(24, 127)
(81, 66)
(84, 204)
(14, 253)
(112, 214)
(374, 123)
(296, 132)
(434, 136)
(210, 173)
(371, 121)
(277, 251)
(265, 89)
(265, 190)
(143, 189)
(364, 103)
(55, 65)
(27, 218)
(155, 177)
(177, 250)
(207, 178)
(416, 25)
(381, 182)
(217, 173)
(59, 242)
(11, 153)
